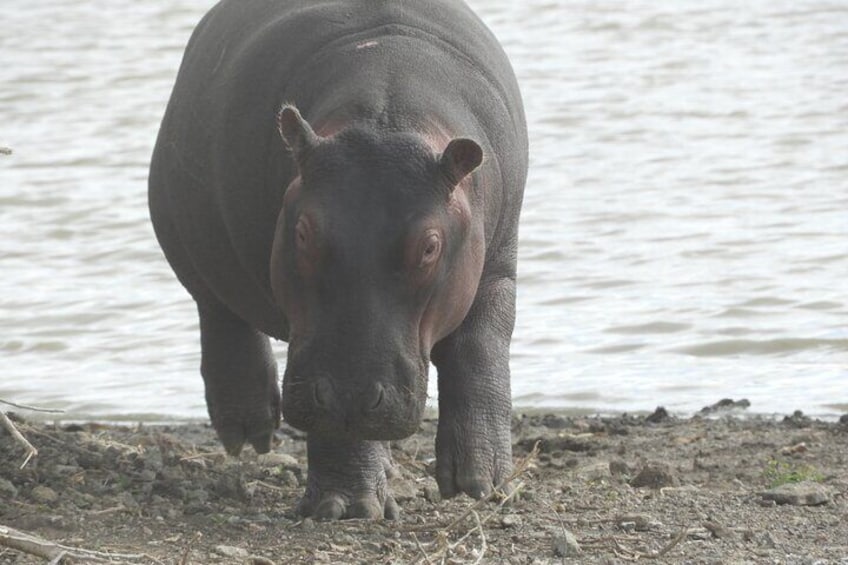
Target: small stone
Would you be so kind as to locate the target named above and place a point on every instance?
(717, 530)
(403, 490)
(798, 420)
(638, 522)
(565, 545)
(659, 415)
(725, 405)
(843, 419)
(7, 489)
(432, 494)
(555, 422)
(655, 475)
(798, 448)
(618, 468)
(277, 460)
(805, 493)
(700, 534)
(597, 471)
(231, 551)
(44, 494)
(257, 560)
(67, 469)
(289, 479)
(510, 521)
(308, 524)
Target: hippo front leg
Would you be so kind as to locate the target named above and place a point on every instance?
(348, 479)
(473, 442)
(240, 374)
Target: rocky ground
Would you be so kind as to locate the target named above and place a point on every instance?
(709, 489)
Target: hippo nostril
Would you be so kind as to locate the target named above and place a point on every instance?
(378, 397)
(322, 393)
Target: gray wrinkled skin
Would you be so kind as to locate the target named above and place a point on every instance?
(377, 235)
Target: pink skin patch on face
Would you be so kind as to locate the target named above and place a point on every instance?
(366, 44)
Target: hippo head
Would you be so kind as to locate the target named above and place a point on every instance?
(376, 257)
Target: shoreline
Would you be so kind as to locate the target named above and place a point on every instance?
(431, 412)
(600, 490)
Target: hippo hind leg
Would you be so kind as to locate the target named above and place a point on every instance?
(240, 374)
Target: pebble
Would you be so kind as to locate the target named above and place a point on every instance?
(805, 493)
(308, 524)
(565, 545)
(510, 521)
(726, 404)
(659, 415)
(432, 494)
(7, 489)
(277, 460)
(44, 494)
(289, 479)
(231, 551)
(619, 468)
(257, 560)
(655, 475)
(638, 522)
(403, 490)
(594, 471)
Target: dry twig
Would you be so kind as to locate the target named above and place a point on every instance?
(10, 426)
(443, 548)
(33, 408)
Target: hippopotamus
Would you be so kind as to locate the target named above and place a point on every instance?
(347, 176)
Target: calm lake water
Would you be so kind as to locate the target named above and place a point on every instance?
(684, 235)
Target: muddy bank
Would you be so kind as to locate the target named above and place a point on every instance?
(708, 489)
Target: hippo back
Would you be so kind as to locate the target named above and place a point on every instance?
(219, 170)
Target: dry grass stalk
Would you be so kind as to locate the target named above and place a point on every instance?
(443, 548)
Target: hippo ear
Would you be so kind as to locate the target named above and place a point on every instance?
(459, 159)
(296, 132)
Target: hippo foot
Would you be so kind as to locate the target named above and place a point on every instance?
(348, 480)
(473, 455)
(245, 416)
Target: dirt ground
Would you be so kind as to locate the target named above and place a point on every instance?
(715, 488)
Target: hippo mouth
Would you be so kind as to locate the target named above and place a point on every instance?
(380, 411)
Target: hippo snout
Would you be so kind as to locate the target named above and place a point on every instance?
(365, 402)
(371, 410)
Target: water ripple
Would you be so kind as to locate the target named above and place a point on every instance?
(683, 237)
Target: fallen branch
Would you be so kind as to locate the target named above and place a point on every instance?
(30, 544)
(10, 426)
(40, 547)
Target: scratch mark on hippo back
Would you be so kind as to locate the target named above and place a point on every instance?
(367, 44)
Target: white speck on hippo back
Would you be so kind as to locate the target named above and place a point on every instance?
(366, 44)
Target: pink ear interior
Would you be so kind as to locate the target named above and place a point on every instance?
(460, 158)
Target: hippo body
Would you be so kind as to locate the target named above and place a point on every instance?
(378, 235)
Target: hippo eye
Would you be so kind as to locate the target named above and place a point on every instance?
(431, 248)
